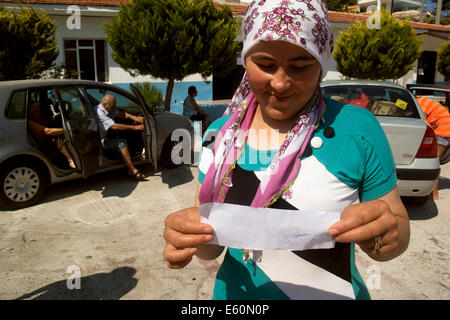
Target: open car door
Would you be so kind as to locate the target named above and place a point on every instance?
(80, 130)
(151, 139)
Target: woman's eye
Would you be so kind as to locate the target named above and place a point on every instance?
(299, 68)
(265, 66)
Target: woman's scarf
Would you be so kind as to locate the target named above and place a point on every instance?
(303, 23)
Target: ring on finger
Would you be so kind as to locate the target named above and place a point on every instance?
(378, 244)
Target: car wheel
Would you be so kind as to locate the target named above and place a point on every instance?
(22, 184)
(172, 154)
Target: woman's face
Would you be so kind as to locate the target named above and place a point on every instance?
(283, 77)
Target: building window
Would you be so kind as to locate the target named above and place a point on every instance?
(86, 59)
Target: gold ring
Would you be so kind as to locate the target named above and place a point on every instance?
(377, 243)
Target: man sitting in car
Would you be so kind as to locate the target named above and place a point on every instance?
(106, 112)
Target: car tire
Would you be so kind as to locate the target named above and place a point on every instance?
(171, 150)
(22, 184)
(445, 156)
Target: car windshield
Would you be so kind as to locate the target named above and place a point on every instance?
(381, 101)
(123, 103)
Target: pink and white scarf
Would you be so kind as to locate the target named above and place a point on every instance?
(303, 23)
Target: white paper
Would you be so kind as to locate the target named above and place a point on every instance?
(245, 227)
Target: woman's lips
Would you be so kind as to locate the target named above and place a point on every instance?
(280, 98)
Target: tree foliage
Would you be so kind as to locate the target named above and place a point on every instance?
(151, 94)
(340, 5)
(443, 60)
(27, 43)
(387, 52)
(171, 39)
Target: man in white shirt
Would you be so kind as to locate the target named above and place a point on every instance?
(106, 112)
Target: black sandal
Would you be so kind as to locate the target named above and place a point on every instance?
(137, 176)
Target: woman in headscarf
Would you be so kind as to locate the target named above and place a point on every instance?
(324, 156)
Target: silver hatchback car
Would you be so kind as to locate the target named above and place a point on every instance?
(27, 167)
(413, 142)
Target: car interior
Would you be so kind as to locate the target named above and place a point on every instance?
(381, 101)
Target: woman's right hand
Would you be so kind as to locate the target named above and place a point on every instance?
(183, 233)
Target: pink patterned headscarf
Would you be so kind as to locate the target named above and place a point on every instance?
(300, 22)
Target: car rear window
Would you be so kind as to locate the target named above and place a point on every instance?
(381, 101)
(16, 107)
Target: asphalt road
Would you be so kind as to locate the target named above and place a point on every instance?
(102, 239)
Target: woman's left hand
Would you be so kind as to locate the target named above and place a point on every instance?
(363, 222)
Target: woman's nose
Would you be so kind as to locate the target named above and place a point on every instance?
(280, 80)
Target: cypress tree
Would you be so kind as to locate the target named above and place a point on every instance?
(171, 39)
(388, 52)
(27, 43)
(443, 61)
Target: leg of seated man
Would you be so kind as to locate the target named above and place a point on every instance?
(120, 145)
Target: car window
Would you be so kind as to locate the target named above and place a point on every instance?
(72, 103)
(122, 102)
(16, 107)
(439, 96)
(381, 101)
(47, 100)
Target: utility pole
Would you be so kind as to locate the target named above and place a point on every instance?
(390, 6)
(422, 11)
(438, 11)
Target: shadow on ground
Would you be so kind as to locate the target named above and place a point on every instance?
(100, 286)
(424, 212)
(111, 184)
(177, 176)
(444, 183)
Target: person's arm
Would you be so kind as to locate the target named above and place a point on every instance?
(122, 127)
(196, 107)
(363, 222)
(126, 115)
(53, 131)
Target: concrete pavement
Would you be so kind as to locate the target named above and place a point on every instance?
(107, 232)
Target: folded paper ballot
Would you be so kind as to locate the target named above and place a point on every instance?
(245, 227)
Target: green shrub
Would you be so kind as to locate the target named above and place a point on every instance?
(27, 43)
(151, 94)
(388, 52)
(443, 60)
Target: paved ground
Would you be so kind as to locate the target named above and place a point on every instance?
(108, 231)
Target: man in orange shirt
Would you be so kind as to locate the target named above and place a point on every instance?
(438, 118)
